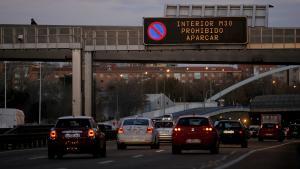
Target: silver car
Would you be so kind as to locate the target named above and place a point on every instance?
(165, 129)
(137, 131)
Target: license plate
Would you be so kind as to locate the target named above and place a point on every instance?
(193, 141)
(228, 132)
(268, 134)
(72, 135)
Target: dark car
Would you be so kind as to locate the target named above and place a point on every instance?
(76, 135)
(271, 131)
(293, 131)
(110, 133)
(194, 132)
(233, 132)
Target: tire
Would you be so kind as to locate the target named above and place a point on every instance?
(244, 144)
(176, 149)
(59, 155)
(51, 154)
(121, 146)
(215, 149)
(156, 145)
(103, 150)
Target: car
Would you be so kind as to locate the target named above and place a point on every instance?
(253, 129)
(165, 129)
(109, 131)
(233, 132)
(76, 135)
(139, 131)
(271, 131)
(293, 131)
(194, 132)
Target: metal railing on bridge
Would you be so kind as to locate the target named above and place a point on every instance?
(120, 37)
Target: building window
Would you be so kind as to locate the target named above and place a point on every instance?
(197, 75)
(177, 76)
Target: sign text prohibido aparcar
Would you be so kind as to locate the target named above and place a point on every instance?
(216, 30)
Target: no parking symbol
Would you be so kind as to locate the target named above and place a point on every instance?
(157, 31)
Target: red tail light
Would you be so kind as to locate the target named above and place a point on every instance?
(208, 129)
(120, 131)
(177, 129)
(277, 126)
(149, 130)
(241, 131)
(91, 133)
(53, 135)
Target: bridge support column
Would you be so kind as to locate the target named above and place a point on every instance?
(76, 82)
(88, 83)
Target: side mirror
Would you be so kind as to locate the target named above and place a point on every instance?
(216, 123)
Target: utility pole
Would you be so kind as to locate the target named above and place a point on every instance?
(5, 84)
(40, 95)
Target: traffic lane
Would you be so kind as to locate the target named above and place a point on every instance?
(130, 158)
(285, 156)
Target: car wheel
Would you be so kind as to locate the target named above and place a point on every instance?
(215, 149)
(51, 154)
(244, 144)
(155, 145)
(103, 150)
(59, 155)
(176, 149)
(121, 146)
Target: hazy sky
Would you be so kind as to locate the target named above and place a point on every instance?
(285, 13)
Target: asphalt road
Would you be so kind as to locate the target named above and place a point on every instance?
(259, 155)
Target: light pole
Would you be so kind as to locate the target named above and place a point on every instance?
(40, 95)
(5, 84)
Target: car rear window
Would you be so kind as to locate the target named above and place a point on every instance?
(268, 126)
(164, 124)
(73, 123)
(105, 127)
(193, 121)
(143, 122)
(229, 125)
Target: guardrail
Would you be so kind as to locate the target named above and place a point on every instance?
(20, 141)
(106, 37)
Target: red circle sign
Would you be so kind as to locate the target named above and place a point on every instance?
(157, 31)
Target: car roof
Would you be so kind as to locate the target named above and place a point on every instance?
(74, 117)
(186, 116)
(229, 121)
(129, 118)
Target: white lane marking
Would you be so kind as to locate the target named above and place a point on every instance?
(158, 151)
(224, 158)
(36, 157)
(233, 152)
(249, 153)
(105, 162)
(138, 156)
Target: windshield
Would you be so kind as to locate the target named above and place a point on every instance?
(164, 124)
(73, 123)
(229, 125)
(143, 122)
(193, 121)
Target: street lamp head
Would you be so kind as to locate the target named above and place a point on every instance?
(168, 70)
(274, 82)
